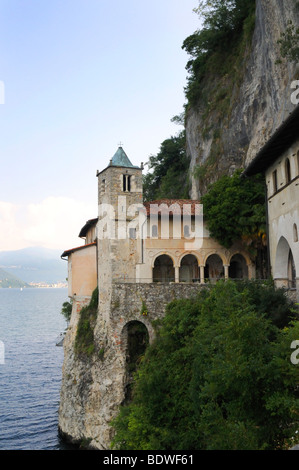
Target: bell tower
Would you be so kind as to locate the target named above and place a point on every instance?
(120, 179)
(119, 192)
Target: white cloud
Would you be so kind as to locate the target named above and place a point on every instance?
(54, 223)
(9, 229)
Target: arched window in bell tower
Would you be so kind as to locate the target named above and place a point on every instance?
(127, 183)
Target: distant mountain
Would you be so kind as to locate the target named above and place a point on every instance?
(8, 280)
(34, 264)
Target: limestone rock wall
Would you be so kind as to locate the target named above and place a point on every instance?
(261, 102)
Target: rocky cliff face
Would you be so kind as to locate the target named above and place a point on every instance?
(94, 387)
(260, 102)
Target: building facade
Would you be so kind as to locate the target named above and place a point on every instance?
(143, 242)
(278, 160)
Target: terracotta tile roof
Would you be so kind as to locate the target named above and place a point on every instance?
(69, 252)
(190, 204)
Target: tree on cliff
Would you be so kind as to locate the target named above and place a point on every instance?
(167, 177)
(222, 24)
(234, 209)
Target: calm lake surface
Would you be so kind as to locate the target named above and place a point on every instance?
(30, 377)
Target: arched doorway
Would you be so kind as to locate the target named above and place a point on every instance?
(189, 269)
(163, 270)
(135, 339)
(291, 271)
(285, 270)
(214, 269)
(238, 268)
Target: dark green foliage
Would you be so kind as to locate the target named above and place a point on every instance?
(66, 310)
(234, 208)
(84, 342)
(168, 171)
(218, 376)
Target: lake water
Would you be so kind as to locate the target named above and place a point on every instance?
(30, 371)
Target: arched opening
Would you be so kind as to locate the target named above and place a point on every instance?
(285, 270)
(135, 340)
(291, 271)
(189, 269)
(214, 269)
(288, 170)
(163, 270)
(238, 268)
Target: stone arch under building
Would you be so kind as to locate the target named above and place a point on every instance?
(189, 269)
(238, 268)
(285, 270)
(163, 270)
(135, 339)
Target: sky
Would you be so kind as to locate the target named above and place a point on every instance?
(77, 78)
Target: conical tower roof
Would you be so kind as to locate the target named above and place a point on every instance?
(120, 158)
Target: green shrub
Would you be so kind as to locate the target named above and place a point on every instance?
(66, 310)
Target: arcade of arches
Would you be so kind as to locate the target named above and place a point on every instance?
(189, 268)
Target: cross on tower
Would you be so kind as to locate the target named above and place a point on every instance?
(120, 144)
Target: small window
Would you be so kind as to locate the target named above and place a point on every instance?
(274, 180)
(103, 186)
(126, 183)
(154, 231)
(288, 171)
(298, 162)
(295, 233)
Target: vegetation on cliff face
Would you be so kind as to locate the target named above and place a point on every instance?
(289, 42)
(66, 310)
(84, 342)
(219, 52)
(167, 176)
(219, 375)
(217, 48)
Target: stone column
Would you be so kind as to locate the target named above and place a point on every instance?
(202, 273)
(226, 266)
(177, 273)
